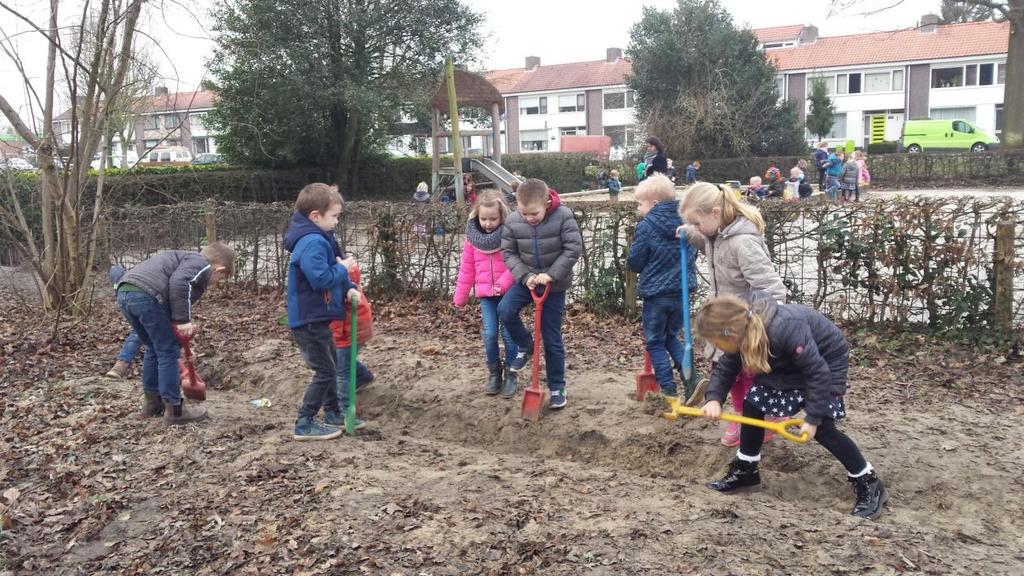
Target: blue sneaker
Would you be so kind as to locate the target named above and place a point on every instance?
(557, 399)
(336, 419)
(519, 362)
(365, 379)
(309, 429)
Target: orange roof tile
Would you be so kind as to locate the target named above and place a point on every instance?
(778, 33)
(560, 76)
(948, 41)
(174, 102)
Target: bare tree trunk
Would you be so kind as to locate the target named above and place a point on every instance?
(346, 157)
(1013, 97)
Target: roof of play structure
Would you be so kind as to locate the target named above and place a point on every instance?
(471, 90)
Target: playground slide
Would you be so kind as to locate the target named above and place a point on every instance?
(494, 172)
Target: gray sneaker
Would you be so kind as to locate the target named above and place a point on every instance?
(309, 429)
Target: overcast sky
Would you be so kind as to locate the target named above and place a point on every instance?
(557, 31)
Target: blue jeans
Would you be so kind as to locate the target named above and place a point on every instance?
(489, 311)
(151, 322)
(344, 368)
(317, 346)
(832, 188)
(662, 321)
(517, 298)
(130, 348)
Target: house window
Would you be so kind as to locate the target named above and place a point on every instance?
(197, 121)
(966, 113)
(947, 77)
(201, 145)
(830, 83)
(878, 82)
(170, 121)
(619, 100)
(573, 131)
(622, 136)
(841, 84)
(533, 140)
(986, 75)
(530, 106)
(838, 131)
(780, 86)
(897, 80)
(972, 76)
(1001, 74)
(854, 83)
(572, 103)
(999, 119)
(150, 144)
(151, 123)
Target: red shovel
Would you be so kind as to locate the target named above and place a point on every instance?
(646, 383)
(192, 386)
(533, 395)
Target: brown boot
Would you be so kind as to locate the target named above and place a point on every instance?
(183, 413)
(152, 406)
(120, 370)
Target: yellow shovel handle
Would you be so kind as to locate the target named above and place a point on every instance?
(780, 428)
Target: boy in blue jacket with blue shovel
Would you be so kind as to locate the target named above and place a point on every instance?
(655, 256)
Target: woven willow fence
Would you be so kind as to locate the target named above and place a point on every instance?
(922, 261)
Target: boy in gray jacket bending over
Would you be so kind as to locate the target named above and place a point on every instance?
(540, 244)
(156, 298)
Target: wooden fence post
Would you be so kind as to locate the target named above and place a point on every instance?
(1002, 276)
(210, 212)
(630, 279)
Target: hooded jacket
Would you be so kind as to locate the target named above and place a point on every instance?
(482, 268)
(834, 167)
(806, 352)
(654, 253)
(317, 284)
(175, 278)
(738, 260)
(553, 246)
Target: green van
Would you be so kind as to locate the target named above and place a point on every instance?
(949, 135)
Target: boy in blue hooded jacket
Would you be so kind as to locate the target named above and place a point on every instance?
(318, 286)
(654, 255)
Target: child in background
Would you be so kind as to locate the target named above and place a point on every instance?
(798, 180)
(654, 255)
(864, 180)
(755, 190)
(802, 165)
(156, 298)
(731, 234)
(691, 172)
(318, 289)
(614, 186)
(774, 179)
(132, 345)
(799, 360)
(834, 169)
(821, 163)
(422, 194)
(342, 332)
(483, 270)
(540, 243)
(848, 178)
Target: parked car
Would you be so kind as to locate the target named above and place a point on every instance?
(170, 156)
(946, 135)
(133, 158)
(15, 164)
(207, 158)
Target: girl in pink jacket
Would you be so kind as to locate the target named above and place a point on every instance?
(483, 270)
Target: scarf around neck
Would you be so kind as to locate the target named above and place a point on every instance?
(481, 240)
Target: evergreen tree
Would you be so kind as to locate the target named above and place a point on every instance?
(823, 113)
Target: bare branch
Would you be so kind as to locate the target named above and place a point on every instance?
(51, 39)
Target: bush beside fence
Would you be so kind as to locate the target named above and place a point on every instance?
(928, 262)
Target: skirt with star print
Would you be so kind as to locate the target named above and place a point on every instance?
(785, 403)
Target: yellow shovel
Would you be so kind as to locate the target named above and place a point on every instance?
(780, 428)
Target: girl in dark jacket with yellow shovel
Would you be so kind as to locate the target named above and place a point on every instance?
(799, 360)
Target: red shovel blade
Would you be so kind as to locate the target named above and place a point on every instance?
(646, 383)
(533, 399)
(192, 386)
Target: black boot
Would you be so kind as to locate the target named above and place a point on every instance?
(740, 475)
(511, 383)
(494, 380)
(871, 495)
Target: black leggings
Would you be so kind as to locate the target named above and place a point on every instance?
(839, 444)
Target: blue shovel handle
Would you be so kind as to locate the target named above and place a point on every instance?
(688, 346)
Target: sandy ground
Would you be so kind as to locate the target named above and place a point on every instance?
(446, 480)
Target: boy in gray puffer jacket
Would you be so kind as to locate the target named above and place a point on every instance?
(540, 244)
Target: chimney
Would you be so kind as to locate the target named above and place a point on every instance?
(929, 24)
(809, 35)
(613, 55)
(532, 62)
(160, 91)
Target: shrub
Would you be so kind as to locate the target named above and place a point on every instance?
(887, 147)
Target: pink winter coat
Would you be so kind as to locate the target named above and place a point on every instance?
(484, 272)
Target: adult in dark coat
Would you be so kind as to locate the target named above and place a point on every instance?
(655, 158)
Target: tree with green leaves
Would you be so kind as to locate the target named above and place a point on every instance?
(321, 83)
(957, 11)
(705, 87)
(823, 112)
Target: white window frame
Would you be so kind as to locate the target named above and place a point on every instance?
(540, 104)
(966, 70)
(579, 103)
(628, 99)
(572, 131)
